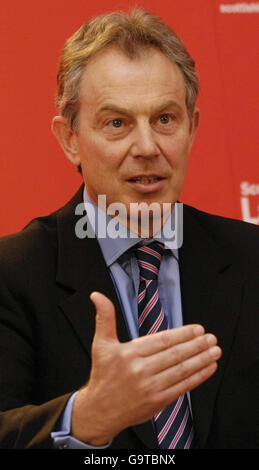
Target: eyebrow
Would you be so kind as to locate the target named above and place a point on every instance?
(169, 104)
(119, 110)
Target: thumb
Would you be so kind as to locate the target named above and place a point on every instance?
(105, 317)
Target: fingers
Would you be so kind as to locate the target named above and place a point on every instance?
(179, 353)
(153, 344)
(105, 317)
(193, 366)
(170, 394)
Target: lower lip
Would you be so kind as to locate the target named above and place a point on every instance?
(147, 188)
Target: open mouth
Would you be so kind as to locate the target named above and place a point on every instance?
(146, 179)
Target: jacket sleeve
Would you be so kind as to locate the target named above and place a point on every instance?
(26, 421)
(30, 426)
(23, 422)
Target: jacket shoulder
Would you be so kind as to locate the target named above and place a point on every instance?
(30, 243)
(28, 258)
(232, 235)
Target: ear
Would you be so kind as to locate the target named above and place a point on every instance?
(194, 124)
(67, 138)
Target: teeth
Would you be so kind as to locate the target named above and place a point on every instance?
(146, 179)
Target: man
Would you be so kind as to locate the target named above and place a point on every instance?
(127, 118)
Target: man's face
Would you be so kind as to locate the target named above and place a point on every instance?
(134, 134)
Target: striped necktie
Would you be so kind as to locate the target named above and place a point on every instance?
(173, 424)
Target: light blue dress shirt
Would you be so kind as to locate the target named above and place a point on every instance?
(124, 271)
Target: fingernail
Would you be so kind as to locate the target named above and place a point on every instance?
(211, 340)
(215, 351)
(198, 330)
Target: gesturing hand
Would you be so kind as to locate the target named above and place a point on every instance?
(130, 382)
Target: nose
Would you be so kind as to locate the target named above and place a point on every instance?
(144, 141)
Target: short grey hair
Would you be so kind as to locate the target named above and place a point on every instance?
(131, 33)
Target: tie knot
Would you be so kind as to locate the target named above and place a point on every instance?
(149, 259)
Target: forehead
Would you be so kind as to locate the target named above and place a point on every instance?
(111, 76)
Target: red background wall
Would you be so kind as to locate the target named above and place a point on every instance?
(35, 176)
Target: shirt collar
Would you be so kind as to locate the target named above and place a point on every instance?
(113, 248)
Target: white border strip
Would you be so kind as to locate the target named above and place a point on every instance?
(243, 7)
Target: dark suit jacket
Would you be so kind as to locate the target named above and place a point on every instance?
(47, 323)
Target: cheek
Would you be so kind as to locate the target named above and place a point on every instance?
(178, 152)
(101, 169)
(177, 159)
(103, 154)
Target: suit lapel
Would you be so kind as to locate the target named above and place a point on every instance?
(211, 295)
(82, 270)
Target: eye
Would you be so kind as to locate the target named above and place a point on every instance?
(165, 123)
(116, 127)
(165, 118)
(116, 123)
